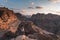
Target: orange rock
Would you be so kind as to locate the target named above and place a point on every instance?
(7, 18)
(1, 20)
(12, 29)
(4, 26)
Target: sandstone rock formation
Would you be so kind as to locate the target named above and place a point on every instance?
(8, 20)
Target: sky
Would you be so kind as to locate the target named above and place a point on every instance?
(29, 7)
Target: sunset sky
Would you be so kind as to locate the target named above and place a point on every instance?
(29, 7)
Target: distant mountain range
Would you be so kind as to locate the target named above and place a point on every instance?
(49, 22)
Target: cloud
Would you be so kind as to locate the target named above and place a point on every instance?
(32, 3)
(57, 11)
(30, 7)
(23, 10)
(54, 1)
(36, 7)
(27, 11)
(2, 5)
(5, 0)
(39, 7)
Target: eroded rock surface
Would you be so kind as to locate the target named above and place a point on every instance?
(8, 21)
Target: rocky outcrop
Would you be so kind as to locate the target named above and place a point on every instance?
(49, 22)
(8, 20)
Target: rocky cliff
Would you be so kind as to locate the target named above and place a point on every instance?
(8, 20)
(49, 22)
